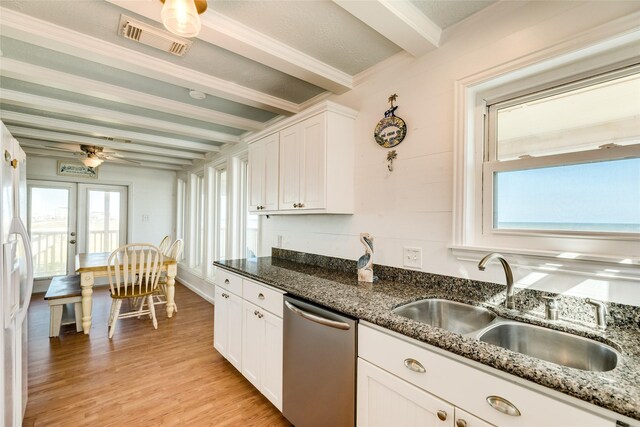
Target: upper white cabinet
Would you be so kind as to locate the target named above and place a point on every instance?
(263, 174)
(314, 163)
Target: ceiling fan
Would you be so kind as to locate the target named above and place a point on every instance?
(92, 155)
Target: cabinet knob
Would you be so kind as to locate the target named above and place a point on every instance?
(295, 205)
(461, 423)
(255, 313)
(260, 295)
(442, 415)
(260, 315)
(226, 281)
(301, 205)
(501, 404)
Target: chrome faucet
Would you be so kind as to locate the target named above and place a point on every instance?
(601, 313)
(509, 302)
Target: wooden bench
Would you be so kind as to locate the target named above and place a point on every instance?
(65, 298)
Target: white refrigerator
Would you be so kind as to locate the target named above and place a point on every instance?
(16, 272)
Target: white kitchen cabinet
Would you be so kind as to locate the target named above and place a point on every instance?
(262, 351)
(315, 161)
(386, 400)
(467, 387)
(263, 174)
(227, 326)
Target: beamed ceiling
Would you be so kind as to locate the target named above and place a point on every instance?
(68, 78)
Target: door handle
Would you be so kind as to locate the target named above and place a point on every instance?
(73, 242)
(73, 233)
(317, 319)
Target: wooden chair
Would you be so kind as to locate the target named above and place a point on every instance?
(164, 245)
(134, 272)
(160, 296)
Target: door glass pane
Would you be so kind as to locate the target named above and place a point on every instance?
(104, 221)
(49, 231)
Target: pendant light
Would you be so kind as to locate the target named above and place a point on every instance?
(181, 16)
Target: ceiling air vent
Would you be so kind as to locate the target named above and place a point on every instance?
(151, 36)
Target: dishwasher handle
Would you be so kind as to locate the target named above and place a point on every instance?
(316, 318)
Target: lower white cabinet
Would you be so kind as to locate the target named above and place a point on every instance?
(247, 331)
(227, 326)
(262, 351)
(415, 368)
(385, 400)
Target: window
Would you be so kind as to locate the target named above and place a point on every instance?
(196, 219)
(249, 222)
(181, 201)
(566, 160)
(547, 161)
(221, 208)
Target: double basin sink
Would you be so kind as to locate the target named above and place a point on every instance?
(547, 344)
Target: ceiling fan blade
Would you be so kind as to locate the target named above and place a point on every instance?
(119, 160)
(68, 148)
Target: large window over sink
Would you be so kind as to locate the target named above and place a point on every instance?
(565, 160)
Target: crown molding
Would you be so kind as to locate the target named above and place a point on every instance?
(21, 133)
(70, 126)
(50, 36)
(52, 105)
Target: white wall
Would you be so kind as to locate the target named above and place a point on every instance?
(413, 205)
(152, 194)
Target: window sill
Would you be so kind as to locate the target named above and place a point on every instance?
(604, 266)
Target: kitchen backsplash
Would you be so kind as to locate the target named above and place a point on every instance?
(529, 301)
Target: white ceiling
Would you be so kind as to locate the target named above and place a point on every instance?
(68, 77)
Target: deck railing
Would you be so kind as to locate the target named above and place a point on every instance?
(50, 249)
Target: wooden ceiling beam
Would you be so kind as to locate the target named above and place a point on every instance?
(49, 136)
(399, 21)
(96, 130)
(70, 82)
(50, 36)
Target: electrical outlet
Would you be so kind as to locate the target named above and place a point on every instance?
(412, 257)
(279, 241)
(145, 218)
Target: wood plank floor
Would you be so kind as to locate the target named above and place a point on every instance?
(143, 377)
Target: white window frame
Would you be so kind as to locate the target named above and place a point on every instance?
(196, 212)
(181, 206)
(574, 252)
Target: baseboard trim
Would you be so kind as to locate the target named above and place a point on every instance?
(196, 290)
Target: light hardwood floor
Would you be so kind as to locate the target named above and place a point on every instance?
(143, 377)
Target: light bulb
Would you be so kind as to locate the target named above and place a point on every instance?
(181, 17)
(92, 161)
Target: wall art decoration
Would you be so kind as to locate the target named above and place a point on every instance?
(391, 130)
(76, 169)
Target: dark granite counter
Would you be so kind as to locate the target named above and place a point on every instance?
(332, 282)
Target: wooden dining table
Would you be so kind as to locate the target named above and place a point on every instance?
(93, 265)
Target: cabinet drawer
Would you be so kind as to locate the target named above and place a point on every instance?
(467, 387)
(263, 296)
(229, 281)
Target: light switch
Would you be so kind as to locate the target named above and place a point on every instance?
(412, 257)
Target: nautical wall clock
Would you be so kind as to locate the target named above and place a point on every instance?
(391, 130)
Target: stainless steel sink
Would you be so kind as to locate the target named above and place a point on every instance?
(553, 346)
(450, 315)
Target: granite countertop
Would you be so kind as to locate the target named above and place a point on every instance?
(617, 390)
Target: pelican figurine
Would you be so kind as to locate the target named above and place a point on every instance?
(365, 263)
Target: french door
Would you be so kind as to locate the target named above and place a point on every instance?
(67, 218)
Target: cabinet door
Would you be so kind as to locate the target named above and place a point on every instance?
(221, 322)
(465, 419)
(289, 168)
(313, 141)
(271, 375)
(234, 329)
(256, 179)
(271, 172)
(252, 343)
(386, 400)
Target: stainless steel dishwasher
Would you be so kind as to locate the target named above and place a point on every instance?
(319, 365)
